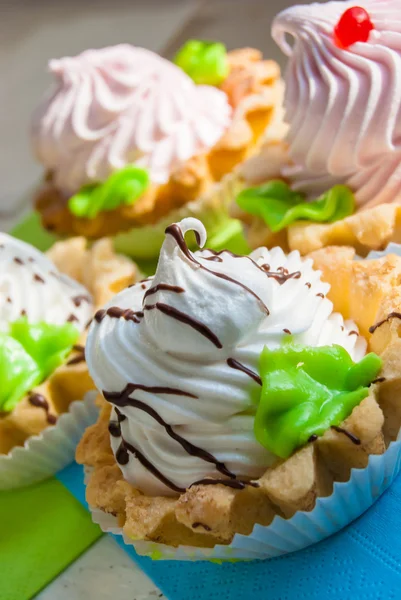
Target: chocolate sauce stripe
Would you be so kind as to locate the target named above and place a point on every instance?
(122, 398)
(77, 300)
(164, 287)
(190, 448)
(281, 275)
(117, 313)
(354, 439)
(392, 315)
(174, 313)
(122, 458)
(75, 360)
(38, 400)
(235, 364)
(122, 455)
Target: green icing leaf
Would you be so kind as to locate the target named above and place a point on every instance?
(47, 344)
(30, 353)
(305, 391)
(279, 206)
(205, 62)
(122, 187)
(18, 372)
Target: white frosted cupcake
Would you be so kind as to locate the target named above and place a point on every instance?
(235, 396)
(43, 315)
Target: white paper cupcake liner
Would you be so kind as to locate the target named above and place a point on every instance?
(45, 454)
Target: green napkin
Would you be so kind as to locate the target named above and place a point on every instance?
(42, 530)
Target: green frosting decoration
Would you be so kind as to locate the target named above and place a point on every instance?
(279, 206)
(122, 187)
(30, 353)
(205, 62)
(306, 390)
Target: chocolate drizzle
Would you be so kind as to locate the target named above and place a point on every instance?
(174, 313)
(234, 364)
(392, 315)
(214, 258)
(378, 380)
(122, 454)
(18, 260)
(117, 313)
(191, 449)
(123, 398)
(163, 286)
(76, 360)
(203, 525)
(115, 426)
(354, 439)
(40, 401)
(281, 276)
(80, 356)
(77, 300)
(122, 457)
(99, 316)
(38, 278)
(175, 231)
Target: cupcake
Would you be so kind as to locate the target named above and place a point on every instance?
(46, 304)
(342, 112)
(43, 315)
(130, 140)
(234, 395)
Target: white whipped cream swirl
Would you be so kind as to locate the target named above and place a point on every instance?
(343, 107)
(189, 343)
(31, 286)
(123, 105)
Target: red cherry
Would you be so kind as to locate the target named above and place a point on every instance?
(354, 26)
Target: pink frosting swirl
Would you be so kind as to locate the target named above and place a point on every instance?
(344, 106)
(123, 105)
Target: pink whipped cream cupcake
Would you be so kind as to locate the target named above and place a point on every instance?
(129, 140)
(343, 117)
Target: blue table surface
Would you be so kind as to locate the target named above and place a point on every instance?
(363, 561)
